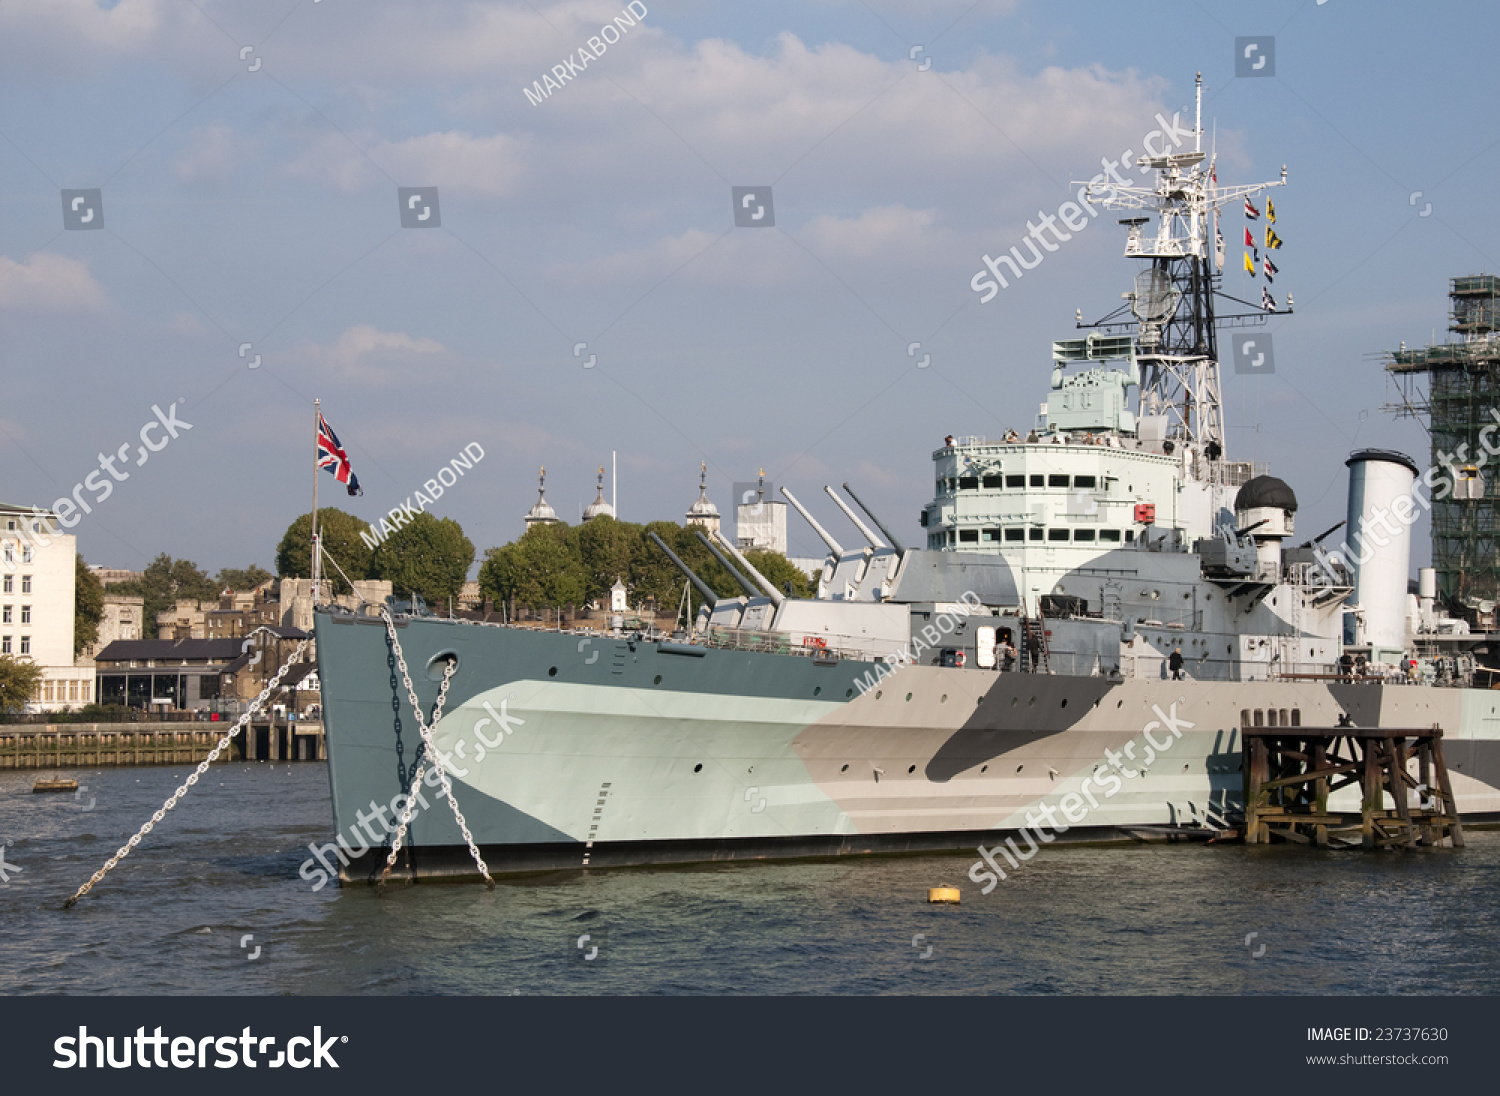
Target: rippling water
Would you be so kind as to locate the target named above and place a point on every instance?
(1136, 920)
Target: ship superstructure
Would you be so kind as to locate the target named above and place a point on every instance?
(1106, 573)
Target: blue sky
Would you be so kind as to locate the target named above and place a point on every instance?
(260, 207)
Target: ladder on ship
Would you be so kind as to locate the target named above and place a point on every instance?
(1034, 643)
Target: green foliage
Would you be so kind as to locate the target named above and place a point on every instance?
(163, 583)
(544, 569)
(782, 573)
(18, 683)
(556, 565)
(88, 606)
(242, 578)
(428, 555)
(341, 540)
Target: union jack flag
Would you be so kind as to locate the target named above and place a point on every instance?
(331, 456)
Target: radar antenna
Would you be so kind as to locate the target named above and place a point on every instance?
(1173, 299)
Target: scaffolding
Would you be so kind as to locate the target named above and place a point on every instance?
(1460, 399)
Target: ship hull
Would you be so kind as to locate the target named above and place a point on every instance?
(570, 751)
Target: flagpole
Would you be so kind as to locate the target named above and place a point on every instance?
(317, 434)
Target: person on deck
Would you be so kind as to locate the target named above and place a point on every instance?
(1174, 663)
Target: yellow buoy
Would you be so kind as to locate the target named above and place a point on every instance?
(943, 894)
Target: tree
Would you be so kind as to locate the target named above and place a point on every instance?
(782, 572)
(428, 555)
(544, 569)
(341, 541)
(242, 578)
(163, 583)
(18, 683)
(606, 549)
(88, 605)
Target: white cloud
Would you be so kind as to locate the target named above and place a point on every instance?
(455, 161)
(211, 154)
(49, 282)
(366, 353)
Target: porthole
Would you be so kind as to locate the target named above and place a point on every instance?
(910, 769)
(1014, 700)
(984, 768)
(1020, 767)
(1064, 703)
(844, 769)
(656, 680)
(848, 693)
(1119, 703)
(908, 696)
(817, 689)
(552, 672)
(879, 693)
(943, 699)
(1031, 703)
(698, 768)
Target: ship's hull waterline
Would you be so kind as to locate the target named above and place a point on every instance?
(570, 751)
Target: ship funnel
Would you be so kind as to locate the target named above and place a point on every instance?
(776, 596)
(703, 588)
(833, 545)
(739, 580)
(896, 544)
(1378, 550)
(864, 530)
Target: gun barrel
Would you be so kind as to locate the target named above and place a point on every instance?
(703, 588)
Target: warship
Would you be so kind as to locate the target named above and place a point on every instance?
(1107, 594)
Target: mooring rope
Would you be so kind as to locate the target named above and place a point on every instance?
(430, 752)
(193, 779)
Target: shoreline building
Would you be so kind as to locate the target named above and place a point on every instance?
(38, 566)
(599, 508)
(541, 512)
(759, 522)
(703, 513)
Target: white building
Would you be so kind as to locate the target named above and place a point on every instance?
(37, 565)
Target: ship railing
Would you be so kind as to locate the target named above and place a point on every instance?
(784, 643)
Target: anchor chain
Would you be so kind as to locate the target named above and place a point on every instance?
(416, 776)
(192, 779)
(429, 752)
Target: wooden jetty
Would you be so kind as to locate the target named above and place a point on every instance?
(1291, 771)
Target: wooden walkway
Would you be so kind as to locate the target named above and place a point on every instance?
(101, 745)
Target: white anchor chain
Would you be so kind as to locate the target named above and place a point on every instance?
(192, 779)
(431, 752)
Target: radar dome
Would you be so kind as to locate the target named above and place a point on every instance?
(1265, 491)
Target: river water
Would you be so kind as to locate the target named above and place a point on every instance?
(174, 917)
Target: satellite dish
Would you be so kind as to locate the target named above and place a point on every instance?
(1154, 299)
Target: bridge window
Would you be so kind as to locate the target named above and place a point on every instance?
(1015, 481)
(1034, 534)
(1083, 535)
(1129, 536)
(1087, 482)
(968, 536)
(1110, 535)
(992, 534)
(1013, 535)
(1038, 481)
(992, 483)
(1057, 481)
(968, 483)
(1057, 534)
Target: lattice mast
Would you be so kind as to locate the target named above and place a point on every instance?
(1173, 299)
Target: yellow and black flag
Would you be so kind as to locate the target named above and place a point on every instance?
(1270, 212)
(1273, 241)
(1249, 266)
